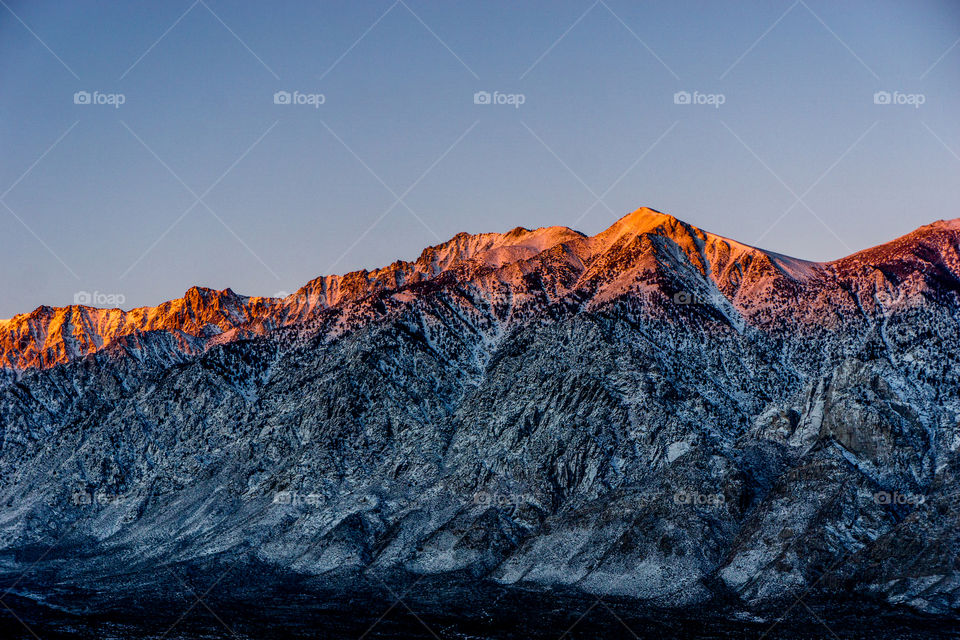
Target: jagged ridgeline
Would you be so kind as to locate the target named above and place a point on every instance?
(655, 413)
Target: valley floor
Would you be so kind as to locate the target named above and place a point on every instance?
(427, 608)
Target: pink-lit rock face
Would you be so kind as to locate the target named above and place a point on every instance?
(644, 254)
(655, 413)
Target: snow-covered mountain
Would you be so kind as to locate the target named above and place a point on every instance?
(735, 276)
(655, 412)
(50, 336)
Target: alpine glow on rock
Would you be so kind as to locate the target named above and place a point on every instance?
(689, 430)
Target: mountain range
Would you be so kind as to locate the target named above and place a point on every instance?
(655, 414)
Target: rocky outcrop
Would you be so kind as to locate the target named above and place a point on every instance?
(654, 413)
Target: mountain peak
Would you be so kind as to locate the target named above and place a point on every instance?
(643, 246)
(206, 292)
(953, 224)
(643, 220)
(494, 249)
(516, 232)
(637, 223)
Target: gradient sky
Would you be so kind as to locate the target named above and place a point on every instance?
(288, 192)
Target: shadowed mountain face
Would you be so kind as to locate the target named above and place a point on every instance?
(654, 414)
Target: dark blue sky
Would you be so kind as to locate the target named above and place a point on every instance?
(198, 177)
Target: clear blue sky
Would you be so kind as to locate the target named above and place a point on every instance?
(198, 83)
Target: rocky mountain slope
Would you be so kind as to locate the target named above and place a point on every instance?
(656, 413)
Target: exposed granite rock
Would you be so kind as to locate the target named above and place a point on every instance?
(654, 413)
